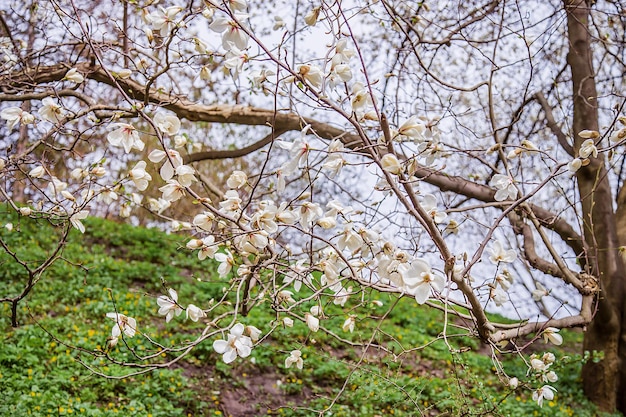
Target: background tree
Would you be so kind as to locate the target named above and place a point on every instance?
(387, 146)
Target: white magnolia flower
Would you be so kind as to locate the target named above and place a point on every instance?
(311, 74)
(237, 180)
(37, 172)
(123, 324)
(231, 203)
(194, 313)
(25, 211)
(505, 186)
(551, 334)
(15, 115)
(172, 191)
(226, 261)
(74, 76)
(309, 213)
(125, 135)
(295, 358)
(539, 292)
(390, 163)
(172, 161)
(498, 295)
(139, 176)
(499, 254)
(312, 321)
(312, 16)
(546, 392)
(253, 332)
(162, 20)
(361, 97)
(167, 123)
(208, 248)
(574, 165)
(420, 280)
(588, 148)
(232, 33)
(288, 322)
(413, 128)
(76, 218)
(236, 345)
(429, 204)
(204, 221)
(285, 296)
(348, 325)
(168, 306)
(513, 383)
(51, 111)
(279, 23)
(186, 175)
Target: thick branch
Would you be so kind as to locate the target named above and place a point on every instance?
(553, 125)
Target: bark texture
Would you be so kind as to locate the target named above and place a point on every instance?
(604, 372)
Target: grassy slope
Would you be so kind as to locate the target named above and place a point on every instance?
(125, 265)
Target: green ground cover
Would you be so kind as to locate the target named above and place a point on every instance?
(120, 267)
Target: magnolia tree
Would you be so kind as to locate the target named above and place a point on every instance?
(467, 155)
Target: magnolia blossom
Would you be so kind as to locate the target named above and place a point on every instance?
(420, 280)
(237, 179)
(186, 175)
(298, 273)
(312, 322)
(546, 392)
(574, 165)
(208, 248)
(172, 191)
(505, 186)
(311, 74)
(162, 20)
(233, 34)
(551, 334)
(295, 358)
(348, 325)
(499, 254)
(15, 115)
(76, 218)
(288, 322)
(125, 135)
(311, 17)
(139, 176)
(414, 129)
(309, 213)
(429, 204)
(361, 97)
(74, 76)
(168, 306)
(226, 261)
(498, 296)
(390, 163)
(588, 148)
(204, 221)
(37, 172)
(172, 161)
(298, 150)
(194, 313)
(51, 111)
(123, 324)
(236, 345)
(539, 292)
(167, 123)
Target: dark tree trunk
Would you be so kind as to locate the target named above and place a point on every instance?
(603, 373)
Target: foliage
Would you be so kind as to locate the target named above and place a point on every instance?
(41, 376)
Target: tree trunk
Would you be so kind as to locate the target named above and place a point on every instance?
(603, 372)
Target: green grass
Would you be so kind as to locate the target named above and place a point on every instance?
(119, 267)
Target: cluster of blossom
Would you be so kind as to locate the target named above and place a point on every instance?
(540, 367)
